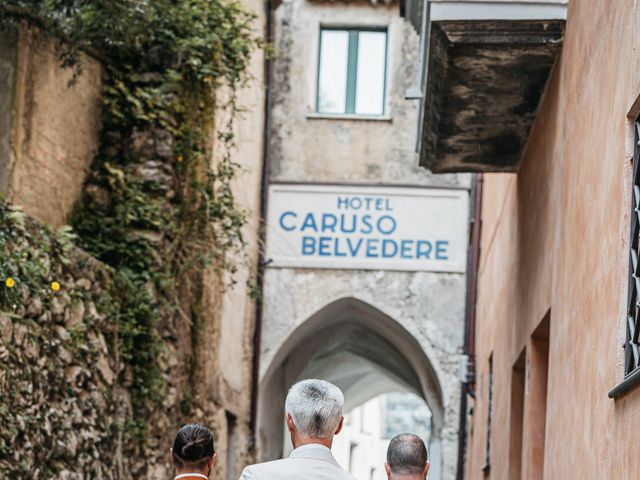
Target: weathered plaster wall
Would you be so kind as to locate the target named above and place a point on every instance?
(234, 353)
(310, 148)
(555, 237)
(430, 306)
(248, 154)
(8, 52)
(54, 128)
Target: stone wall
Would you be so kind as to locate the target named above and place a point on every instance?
(62, 411)
(57, 352)
(65, 401)
(46, 153)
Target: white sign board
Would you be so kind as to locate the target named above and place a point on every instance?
(368, 228)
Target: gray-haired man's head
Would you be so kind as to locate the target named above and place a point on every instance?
(407, 457)
(314, 407)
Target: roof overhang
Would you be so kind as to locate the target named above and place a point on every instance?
(485, 68)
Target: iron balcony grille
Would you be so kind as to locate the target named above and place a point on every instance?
(632, 344)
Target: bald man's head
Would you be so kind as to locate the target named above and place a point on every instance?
(407, 457)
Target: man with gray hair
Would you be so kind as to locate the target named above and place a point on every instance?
(313, 413)
(407, 458)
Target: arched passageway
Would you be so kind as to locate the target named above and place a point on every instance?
(364, 352)
(362, 444)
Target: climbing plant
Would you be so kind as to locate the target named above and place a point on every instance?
(156, 205)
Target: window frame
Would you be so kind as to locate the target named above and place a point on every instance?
(631, 374)
(486, 467)
(353, 32)
(632, 340)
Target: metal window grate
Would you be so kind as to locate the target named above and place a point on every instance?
(632, 344)
(487, 447)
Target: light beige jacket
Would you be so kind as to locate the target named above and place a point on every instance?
(309, 462)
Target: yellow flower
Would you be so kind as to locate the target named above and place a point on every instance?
(55, 286)
(179, 158)
(10, 282)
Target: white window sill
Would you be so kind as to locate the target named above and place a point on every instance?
(349, 116)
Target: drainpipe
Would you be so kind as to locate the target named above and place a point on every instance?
(264, 197)
(472, 279)
(418, 91)
(473, 261)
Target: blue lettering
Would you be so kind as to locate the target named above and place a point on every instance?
(308, 246)
(385, 252)
(336, 250)
(354, 249)
(379, 203)
(356, 203)
(352, 228)
(441, 250)
(366, 221)
(372, 247)
(309, 222)
(423, 249)
(388, 207)
(405, 249)
(283, 226)
(343, 202)
(392, 227)
(329, 226)
(324, 250)
(367, 202)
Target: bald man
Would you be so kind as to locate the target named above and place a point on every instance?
(407, 458)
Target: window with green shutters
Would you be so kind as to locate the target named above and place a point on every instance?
(352, 70)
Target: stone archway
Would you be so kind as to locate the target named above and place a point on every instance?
(363, 351)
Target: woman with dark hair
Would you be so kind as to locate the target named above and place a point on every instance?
(192, 453)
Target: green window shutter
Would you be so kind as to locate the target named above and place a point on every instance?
(352, 72)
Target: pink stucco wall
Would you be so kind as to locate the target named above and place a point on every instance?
(555, 239)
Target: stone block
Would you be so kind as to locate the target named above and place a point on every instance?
(6, 329)
(53, 127)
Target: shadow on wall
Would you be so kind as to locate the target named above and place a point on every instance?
(360, 349)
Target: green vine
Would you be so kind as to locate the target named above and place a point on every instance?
(46, 332)
(26, 260)
(156, 207)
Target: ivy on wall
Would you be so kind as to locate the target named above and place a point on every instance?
(26, 259)
(58, 409)
(156, 207)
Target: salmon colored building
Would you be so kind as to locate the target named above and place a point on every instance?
(553, 328)
(553, 277)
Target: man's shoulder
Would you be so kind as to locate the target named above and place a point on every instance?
(265, 468)
(269, 465)
(295, 467)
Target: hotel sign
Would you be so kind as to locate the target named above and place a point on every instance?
(369, 228)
